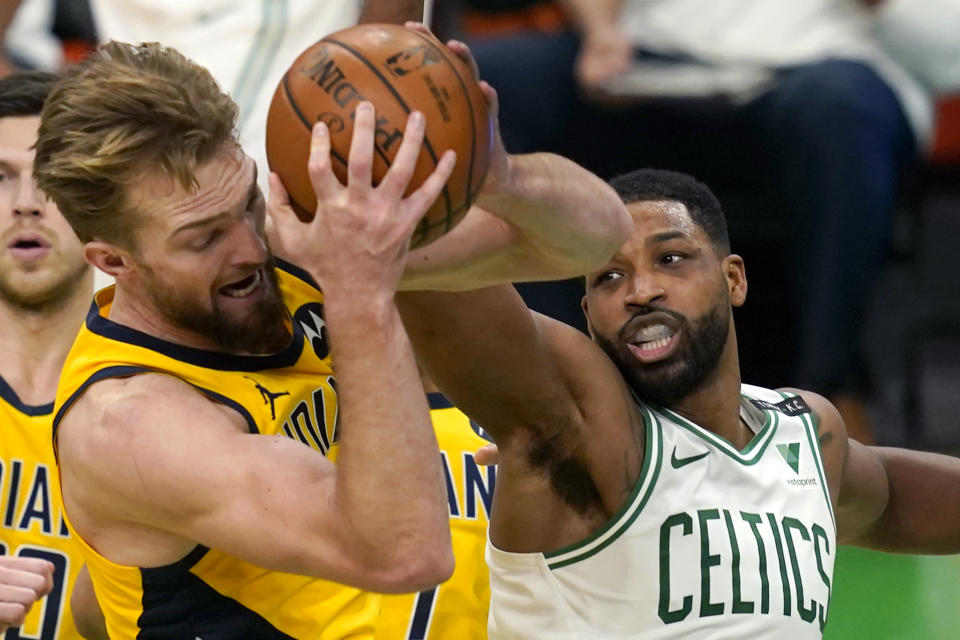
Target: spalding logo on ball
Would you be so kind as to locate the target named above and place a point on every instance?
(399, 70)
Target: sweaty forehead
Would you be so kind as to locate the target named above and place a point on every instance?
(655, 218)
(222, 183)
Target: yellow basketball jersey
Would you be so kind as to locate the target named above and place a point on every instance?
(458, 607)
(31, 520)
(209, 594)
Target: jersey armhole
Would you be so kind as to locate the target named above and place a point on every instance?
(125, 371)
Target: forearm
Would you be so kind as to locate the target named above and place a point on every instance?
(551, 220)
(392, 11)
(922, 514)
(390, 484)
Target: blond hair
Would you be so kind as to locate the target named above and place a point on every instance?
(127, 111)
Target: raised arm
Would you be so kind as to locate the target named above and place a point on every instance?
(889, 499)
(187, 468)
(550, 220)
(538, 217)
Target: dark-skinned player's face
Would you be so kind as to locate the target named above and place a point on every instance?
(661, 307)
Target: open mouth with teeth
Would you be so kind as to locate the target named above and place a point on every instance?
(243, 288)
(654, 342)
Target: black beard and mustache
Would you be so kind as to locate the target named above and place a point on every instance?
(669, 381)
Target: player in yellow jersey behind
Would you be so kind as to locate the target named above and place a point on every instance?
(45, 288)
(458, 607)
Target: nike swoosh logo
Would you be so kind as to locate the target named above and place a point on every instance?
(676, 462)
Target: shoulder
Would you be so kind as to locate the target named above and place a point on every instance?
(831, 432)
(115, 414)
(825, 416)
(132, 444)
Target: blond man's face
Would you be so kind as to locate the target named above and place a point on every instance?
(202, 259)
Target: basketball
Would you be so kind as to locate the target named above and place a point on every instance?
(398, 70)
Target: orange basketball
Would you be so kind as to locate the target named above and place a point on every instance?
(399, 70)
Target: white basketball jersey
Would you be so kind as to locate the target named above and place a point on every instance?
(713, 542)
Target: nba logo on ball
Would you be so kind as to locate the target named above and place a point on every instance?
(399, 70)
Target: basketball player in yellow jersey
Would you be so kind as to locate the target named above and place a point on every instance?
(44, 290)
(188, 417)
(197, 404)
(458, 607)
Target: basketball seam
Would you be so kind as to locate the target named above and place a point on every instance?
(473, 131)
(303, 118)
(403, 104)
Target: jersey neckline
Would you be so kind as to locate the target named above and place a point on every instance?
(10, 397)
(102, 326)
(750, 454)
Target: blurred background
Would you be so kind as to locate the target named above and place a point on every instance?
(830, 131)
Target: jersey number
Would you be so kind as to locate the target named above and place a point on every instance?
(422, 614)
(54, 604)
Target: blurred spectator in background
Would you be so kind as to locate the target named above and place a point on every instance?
(246, 44)
(796, 106)
(43, 34)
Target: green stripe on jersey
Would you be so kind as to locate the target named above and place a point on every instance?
(817, 459)
(631, 508)
(751, 454)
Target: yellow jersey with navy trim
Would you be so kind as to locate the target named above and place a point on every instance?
(31, 520)
(209, 594)
(458, 607)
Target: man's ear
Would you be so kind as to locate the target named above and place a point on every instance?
(109, 258)
(736, 276)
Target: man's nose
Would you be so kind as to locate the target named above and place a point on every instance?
(250, 246)
(644, 290)
(29, 201)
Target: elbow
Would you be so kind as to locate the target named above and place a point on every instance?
(609, 229)
(620, 229)
(417, 570)
(429, 570)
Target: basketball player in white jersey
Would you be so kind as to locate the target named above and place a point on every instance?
(643, 491)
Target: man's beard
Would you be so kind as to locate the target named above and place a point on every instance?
(262, 331)
(669, 381)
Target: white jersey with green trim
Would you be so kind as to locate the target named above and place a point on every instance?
(712, 543)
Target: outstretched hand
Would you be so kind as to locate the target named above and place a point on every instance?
(360, 235)
(23, 581)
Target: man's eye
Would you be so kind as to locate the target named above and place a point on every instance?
(672, 258)
(207, 240)
(606, 276)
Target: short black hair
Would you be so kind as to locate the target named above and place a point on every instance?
(24, 92)
(701, 203)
